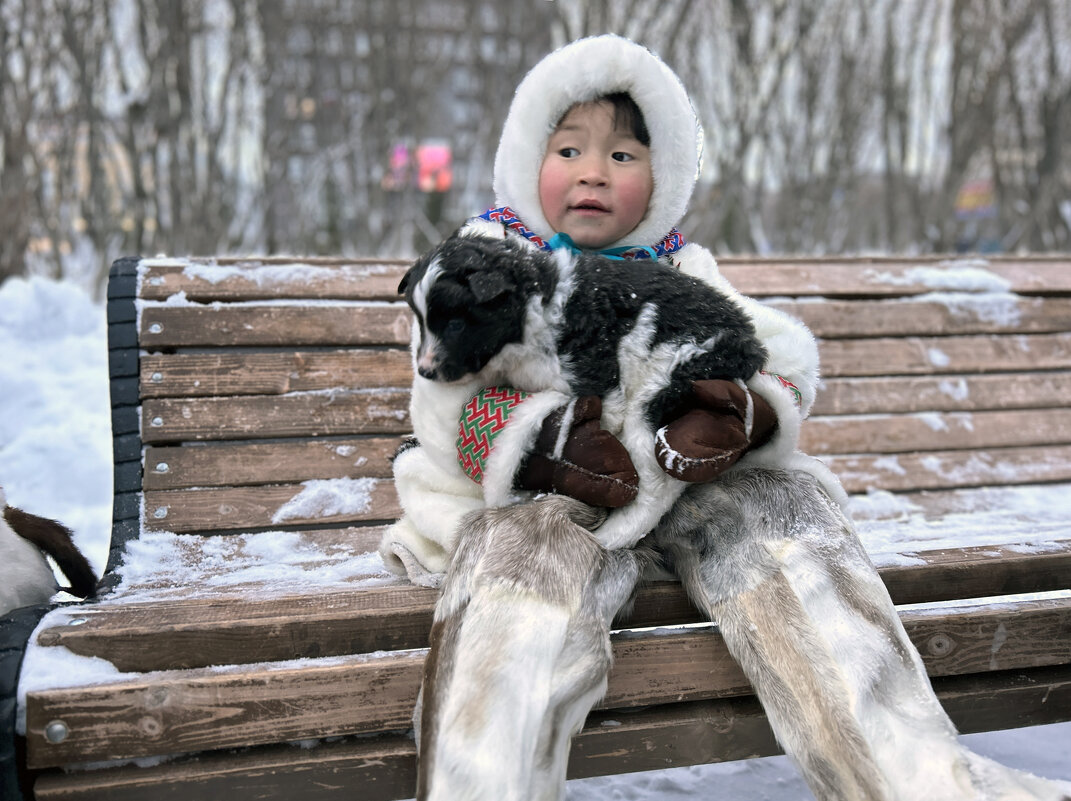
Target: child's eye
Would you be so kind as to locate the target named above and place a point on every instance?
(568, 152)
(622, 156)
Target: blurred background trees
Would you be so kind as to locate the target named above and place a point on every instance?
(302, 126)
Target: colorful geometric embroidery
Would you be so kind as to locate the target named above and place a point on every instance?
(788, 385)
(483, 417)
(673, 241)
(507, 217)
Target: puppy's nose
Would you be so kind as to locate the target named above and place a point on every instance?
(429, 373)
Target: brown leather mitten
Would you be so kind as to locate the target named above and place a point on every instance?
(573, 456)
(722, 422)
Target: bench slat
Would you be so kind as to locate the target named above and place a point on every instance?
(210, 709)
(384, 768)
(860, 276)
(245, 463)
(919, 383)
(386, 412)
(961, 314)
(206, 374)
(862, 376)
(267, 279)
(226, 509)
(190, 633)
(328, 413)
(216, 568)
(877, 434)
(331, 324)
(273, 326)
(950, 393)
(929, 355)
(977, 467)
(253, 508)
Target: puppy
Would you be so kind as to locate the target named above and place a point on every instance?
(635, 333)
(28, 579)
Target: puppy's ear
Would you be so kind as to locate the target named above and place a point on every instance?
(404, 283)
(487, 285)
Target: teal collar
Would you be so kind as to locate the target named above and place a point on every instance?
(564, 241)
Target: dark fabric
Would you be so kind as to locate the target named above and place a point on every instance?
(592, 466)
(15, 630)
(711, 435)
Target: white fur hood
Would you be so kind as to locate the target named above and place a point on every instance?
(580, 72)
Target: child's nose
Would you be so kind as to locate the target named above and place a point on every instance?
(592, 172)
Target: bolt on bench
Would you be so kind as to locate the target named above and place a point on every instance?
(250, 646)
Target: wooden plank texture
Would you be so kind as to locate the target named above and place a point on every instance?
(205, 374)
(274, 326)
(226, 509)
(929, 355)
(876, 434)
(225, 708)
(245, 464)
(237, 464)
(383, 769)
(263, 278)
(959, 314)
(977, 467)
(389, 324)
(191, 633)
(310, 414)
(386, 412)
(273, 278)
(942, 393)
(862, 276)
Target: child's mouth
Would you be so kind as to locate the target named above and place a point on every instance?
(589, 207)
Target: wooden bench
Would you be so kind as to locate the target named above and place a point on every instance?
(254, 396)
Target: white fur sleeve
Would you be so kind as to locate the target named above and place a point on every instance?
(421, 543)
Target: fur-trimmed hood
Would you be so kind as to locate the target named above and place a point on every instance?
(580, 72)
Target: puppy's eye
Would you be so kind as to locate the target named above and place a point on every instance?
(455, 326)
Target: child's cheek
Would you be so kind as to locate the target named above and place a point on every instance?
(633, 200)
(552, 189)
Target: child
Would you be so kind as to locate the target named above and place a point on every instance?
(600, 151)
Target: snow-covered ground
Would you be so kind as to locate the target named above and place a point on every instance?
(55, 460)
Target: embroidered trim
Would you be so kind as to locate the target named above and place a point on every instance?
(484, 416)
(506, 216)
(673, 241)
(789, 386)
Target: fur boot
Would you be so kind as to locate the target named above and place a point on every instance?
(520, 651)
(778, 567)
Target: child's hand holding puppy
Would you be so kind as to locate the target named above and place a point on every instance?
(574, 456)
(722, 422)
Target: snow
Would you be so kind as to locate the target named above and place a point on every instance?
(272, 274)
(55, 460)
(961, 275)
(327, 498)
(161, 564)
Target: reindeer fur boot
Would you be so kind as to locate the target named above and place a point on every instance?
(778, 567)
(520, 650)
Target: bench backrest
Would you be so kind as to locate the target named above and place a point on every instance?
(934, 376)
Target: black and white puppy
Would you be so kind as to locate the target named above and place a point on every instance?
(634, 332)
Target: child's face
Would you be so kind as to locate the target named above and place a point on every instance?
(595, 182)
